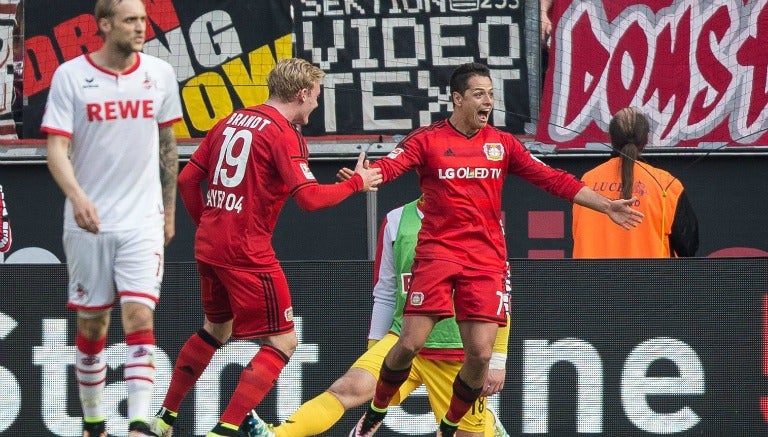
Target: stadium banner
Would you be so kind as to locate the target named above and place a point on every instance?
(221, 50)
(597, 347)
(389, 62)
(722, 190)
(10, 51)
(697, 68)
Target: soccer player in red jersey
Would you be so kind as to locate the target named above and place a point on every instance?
(461, 251)
(251, 160)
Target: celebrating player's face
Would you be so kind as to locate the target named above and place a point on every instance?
(127, 26)
(309, 105)
(475, 106)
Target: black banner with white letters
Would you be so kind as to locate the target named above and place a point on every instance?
(672, 347)
(389, 62)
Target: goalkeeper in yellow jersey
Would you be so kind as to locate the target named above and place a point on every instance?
(435, 367)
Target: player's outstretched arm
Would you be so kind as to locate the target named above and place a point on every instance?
(371, 176)
(317, 196)
(620, 210)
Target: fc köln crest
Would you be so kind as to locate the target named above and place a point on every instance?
(493, 151)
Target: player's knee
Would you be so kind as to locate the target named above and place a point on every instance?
(93, 324)
(408, 348)
(219, 331)
(354, 388)
(478, 358)
(285, 343)
(137, 316)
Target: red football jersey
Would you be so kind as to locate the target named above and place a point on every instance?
(253, 160)
(461, 179)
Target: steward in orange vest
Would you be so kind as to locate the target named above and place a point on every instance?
(670, 227)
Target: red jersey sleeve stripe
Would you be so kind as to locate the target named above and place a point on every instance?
(52, 131)
(169, 122)
(302, 185)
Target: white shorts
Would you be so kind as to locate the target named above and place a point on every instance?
(129, 262)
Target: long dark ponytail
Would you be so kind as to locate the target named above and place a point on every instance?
(629, 135)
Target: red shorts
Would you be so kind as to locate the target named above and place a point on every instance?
(438, 287)
(258, 303)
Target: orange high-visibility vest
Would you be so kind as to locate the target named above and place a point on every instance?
(657, 191)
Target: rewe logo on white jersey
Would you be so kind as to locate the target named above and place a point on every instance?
(120, 110)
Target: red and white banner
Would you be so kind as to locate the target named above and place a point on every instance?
(10, 60)
(696, 68)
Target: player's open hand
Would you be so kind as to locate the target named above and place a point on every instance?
(371, 176)
(621, 212)
(344, 173)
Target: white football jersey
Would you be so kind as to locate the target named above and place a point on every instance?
(112, 121)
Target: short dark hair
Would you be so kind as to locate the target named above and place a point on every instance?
(462, 73)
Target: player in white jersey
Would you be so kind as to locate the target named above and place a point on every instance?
(112, 112)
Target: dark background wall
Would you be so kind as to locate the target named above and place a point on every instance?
(728, 193)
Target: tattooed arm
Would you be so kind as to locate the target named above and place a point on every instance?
(169, 171)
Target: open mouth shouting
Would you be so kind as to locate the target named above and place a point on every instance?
(483, 115)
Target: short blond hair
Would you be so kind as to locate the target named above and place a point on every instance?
(105, 9)
(290, 76)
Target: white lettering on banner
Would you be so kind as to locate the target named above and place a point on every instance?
(636, 386)
(364, 27)
(214, 39)
(10, 401)
(371, 101)
(175, 53)
(291, 378)
(539, 356)
(329, 98)
(441, 101)
(399, 44)
(441, 43)
(434, 50)
(316, 8)
(55, 357)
